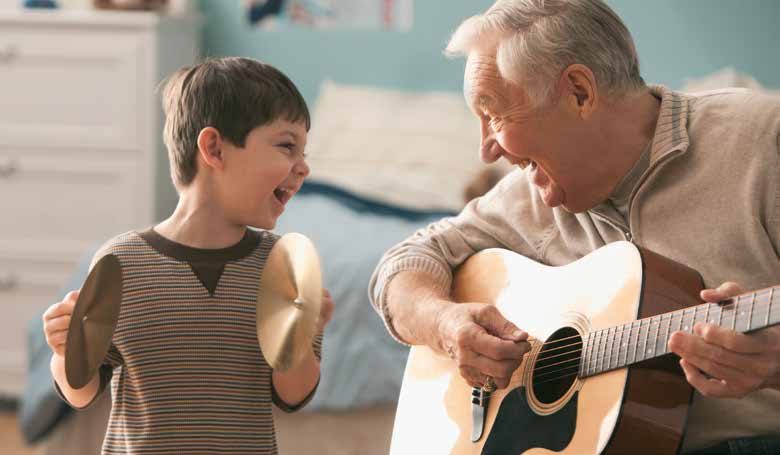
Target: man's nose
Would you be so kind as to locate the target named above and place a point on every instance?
(490, 150)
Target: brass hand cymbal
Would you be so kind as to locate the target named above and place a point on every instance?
(93, 321)
(288, 301)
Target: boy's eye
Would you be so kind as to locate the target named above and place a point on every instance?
(288, 145)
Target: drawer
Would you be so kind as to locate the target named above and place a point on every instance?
(71, 88)
(27, 287)
(46, 201)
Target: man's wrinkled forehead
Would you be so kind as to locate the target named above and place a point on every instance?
(482, 81)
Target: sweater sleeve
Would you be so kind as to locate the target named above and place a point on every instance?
(774, 225)
(509, 216)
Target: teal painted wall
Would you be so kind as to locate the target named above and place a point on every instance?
(676, 39)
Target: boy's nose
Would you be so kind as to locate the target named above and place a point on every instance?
(302, 169)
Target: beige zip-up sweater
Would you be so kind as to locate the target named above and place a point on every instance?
(710, 199)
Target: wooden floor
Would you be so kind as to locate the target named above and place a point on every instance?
(11, 442)
(368, 433)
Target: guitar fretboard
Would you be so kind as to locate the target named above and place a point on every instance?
(623, 345)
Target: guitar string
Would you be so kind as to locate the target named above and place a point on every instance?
(759, 313)
(599, 351)
(703, 307)
(756, 310)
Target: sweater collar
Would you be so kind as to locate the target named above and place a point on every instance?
(671, 130)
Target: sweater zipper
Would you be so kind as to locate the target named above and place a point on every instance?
(618, 226)
(627, 232)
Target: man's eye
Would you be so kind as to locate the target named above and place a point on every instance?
(496, 123)
(288, 145)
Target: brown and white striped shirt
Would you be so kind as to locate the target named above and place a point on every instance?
(188, 374)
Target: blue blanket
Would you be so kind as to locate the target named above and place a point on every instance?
(361, 364)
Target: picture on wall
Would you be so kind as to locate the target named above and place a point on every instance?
(394, 15)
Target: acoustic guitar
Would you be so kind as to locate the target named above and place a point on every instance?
(598, 377)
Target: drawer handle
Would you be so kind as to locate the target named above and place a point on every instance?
(8, 53)
(8, 283)
(9, 168)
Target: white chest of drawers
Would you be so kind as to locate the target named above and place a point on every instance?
(81, 154)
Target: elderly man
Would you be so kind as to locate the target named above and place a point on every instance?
(603, 157)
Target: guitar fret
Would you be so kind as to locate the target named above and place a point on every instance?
(734, 315)
(750, 312)
(621, 363)
(740, 316)
(697, 316)
(651, 350)
(592, 352)
(589, 367)
(663, 341)
(680, 322)
(634, 342)
(607, 346)
(591, 340)
(612, 348)
(769, 310)
(643, 335)
(599, 351)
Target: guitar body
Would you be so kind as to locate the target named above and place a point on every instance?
(636, 409)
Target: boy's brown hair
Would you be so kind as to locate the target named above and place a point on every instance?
(233, 95)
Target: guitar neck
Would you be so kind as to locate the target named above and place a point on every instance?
(643, 339)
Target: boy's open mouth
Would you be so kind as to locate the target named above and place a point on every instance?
(283, 194)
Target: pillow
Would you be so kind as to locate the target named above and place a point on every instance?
(416, 150)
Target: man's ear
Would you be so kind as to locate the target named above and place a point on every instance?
(578, 87)
(210, 147)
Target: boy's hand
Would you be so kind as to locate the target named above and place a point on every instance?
(326, 311)
(56, 321)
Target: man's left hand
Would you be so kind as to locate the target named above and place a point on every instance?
(722, 363)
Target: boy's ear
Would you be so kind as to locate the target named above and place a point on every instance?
(210, 147)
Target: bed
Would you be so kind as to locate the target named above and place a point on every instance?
(384, 163)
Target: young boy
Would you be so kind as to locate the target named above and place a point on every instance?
(191, 377)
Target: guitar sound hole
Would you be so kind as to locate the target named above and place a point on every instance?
(557, 365)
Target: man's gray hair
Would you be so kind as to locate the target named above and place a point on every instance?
(535, 40)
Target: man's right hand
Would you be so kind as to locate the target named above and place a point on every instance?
(56, 321)
(482, 342)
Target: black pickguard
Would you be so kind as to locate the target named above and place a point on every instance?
(517, 428)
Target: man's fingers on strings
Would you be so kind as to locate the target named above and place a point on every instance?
(497, 325)
(497, 348)
(724, 291)
(729, 339)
